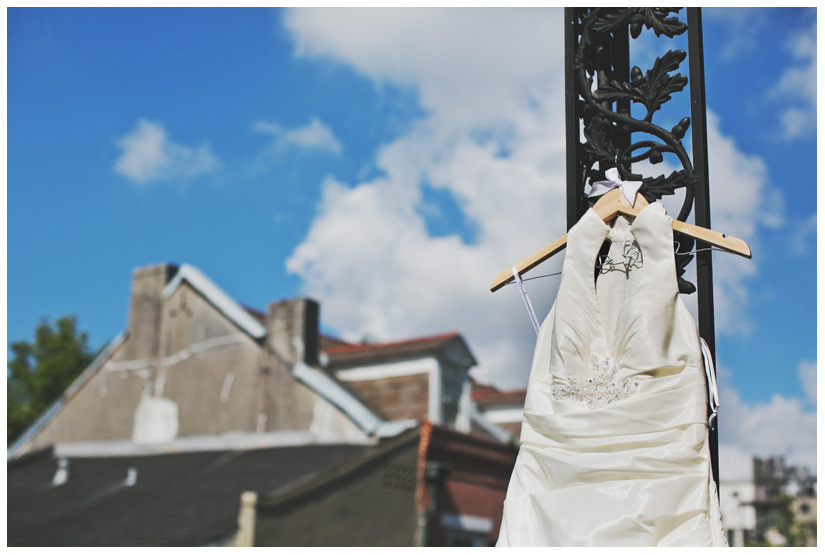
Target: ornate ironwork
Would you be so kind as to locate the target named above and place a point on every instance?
(608, 131)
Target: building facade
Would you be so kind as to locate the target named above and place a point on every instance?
(777, 506)
(196, 373)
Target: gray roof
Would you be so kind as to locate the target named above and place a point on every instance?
(182, 499)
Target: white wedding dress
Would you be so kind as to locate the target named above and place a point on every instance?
(614, 440)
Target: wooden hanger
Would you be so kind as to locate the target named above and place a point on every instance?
(610, 205)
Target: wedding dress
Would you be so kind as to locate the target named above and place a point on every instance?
(614, 440)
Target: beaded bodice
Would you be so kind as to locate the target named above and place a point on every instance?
(602, 303)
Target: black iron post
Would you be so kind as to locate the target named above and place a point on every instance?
(701, 203)
(572, 119)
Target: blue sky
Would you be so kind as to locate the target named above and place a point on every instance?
(389, 163)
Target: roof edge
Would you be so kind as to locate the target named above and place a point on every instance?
(491, 428)
(332, 391)
(216, 296)
(358, 347)
(230, 441)
(47, 415)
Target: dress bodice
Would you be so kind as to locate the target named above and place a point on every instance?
(627, 326)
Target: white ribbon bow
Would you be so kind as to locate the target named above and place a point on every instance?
(628, 188)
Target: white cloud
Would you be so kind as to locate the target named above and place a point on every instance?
(464, 63)
(744, 25)
(795, 90)
(792, 99)
(314, 136)
(149, 155)
(368, 257)
(779, 427)
(744, 203)
(803, 233)
(807, 376)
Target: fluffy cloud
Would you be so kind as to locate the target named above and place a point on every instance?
(744, 25)
(464, 63)
(149, 155)
(314, 136)
(807, 376)
(780, 427)
(744, 204)
(803, 235)
(793, 97)
(494, 140)
(795, 89)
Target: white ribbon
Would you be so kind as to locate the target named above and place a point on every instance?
(628, 188)
(713, 391)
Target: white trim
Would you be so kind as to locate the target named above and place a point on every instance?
(389, 370)
(328, 388)
(217, 297)
(462, 419)
(494, 430)
(499, 416)
(232, 441)
(183, 354)
(435, 412)
(395, 427)
(467, 523)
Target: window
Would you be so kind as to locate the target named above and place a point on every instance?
(466, 530)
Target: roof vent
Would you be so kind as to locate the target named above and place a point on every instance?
(131, 477)
(62, 474)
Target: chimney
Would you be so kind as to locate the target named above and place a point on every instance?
(292, 329)
(145, 310)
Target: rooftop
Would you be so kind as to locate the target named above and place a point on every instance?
(179, 499)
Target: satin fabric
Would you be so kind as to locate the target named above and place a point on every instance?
(634, 471)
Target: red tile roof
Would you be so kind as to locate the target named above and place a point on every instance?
(346, 353)
(487, 396)
(327, 341)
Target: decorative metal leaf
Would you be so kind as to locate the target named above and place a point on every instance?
(610, 20)
(656, 187)
(598, 142)
(658, 84)
(653, 18)
(657, 20)
(653, 90)
(613, 91)
(607, 131)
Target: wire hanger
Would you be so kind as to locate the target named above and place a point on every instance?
(610, 205)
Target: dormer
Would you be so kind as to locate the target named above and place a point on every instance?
(426, 378)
